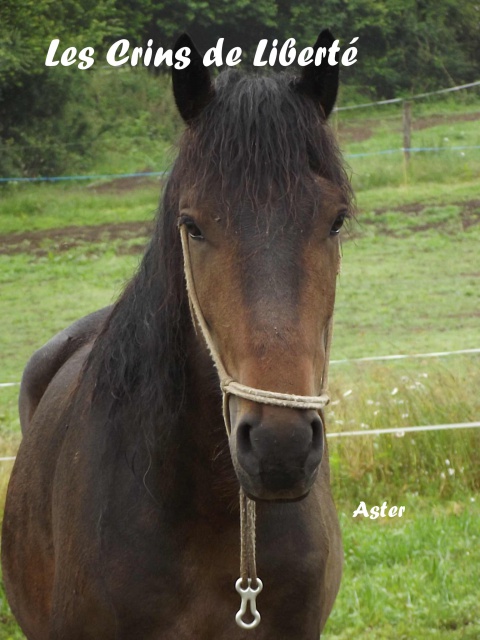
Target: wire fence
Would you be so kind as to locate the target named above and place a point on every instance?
(399, 356)
(98, 176)
(417, 96)
(399, 432)
(396, 431)
(408, 124)
(422, 131)
(161, 174)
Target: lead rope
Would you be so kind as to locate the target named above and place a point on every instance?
(249, 584)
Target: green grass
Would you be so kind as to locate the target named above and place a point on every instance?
(414, 578)
(49, 206)
(55, 290)
(446, 167)
(431, 193)
(408, 294)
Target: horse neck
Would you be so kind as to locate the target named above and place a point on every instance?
(211, 468)
(186, 459)
(170, 418)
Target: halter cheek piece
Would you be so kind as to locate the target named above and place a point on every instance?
(229, 386)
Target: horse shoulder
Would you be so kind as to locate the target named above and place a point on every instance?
(30, 549)
(48, 360)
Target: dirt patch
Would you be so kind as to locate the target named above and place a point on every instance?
(69, 237)
(121, 185)
(469, 207)
(469, 215)
(65, 238)
(350, 132)
(414, 207)
(432, 121)
(463, 316)
(354, 133)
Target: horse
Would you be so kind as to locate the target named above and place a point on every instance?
(122, 513)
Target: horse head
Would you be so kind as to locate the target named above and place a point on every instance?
(262, 195)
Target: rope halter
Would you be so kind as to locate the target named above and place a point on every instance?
(248, 585)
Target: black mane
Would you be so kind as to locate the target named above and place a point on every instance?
(260, 140)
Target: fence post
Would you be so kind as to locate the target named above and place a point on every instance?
(407, 125)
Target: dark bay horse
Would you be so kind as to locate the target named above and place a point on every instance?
(122, 516)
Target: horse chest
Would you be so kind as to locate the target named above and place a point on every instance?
(208, 602)
(193, 595)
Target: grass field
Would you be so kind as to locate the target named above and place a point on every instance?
(410, 579)
(409, 283)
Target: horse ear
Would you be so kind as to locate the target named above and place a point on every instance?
(321, 83)
(192, 86)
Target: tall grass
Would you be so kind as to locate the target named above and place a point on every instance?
(429, 392)
(414, 578)
(26, 208)
(138, 120)
(442, 166)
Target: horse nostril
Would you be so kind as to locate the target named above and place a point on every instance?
(317, 433)
(244, 442)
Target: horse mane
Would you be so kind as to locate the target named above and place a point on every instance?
(138, 360)
(259, 141)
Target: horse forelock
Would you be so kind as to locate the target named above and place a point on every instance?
(262, 143)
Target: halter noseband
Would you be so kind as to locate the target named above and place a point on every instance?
(229, 386)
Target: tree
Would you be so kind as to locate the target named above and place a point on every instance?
(241, 23)
(37, 132)
(404, 46)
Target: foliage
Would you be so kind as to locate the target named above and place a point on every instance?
(241, 23)
(43, 126)
(28, 26)
(405, 46)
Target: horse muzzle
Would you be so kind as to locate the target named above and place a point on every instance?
(276, 451)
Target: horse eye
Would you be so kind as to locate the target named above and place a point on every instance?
(338, 224)
(192, 229)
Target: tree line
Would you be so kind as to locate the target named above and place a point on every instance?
(404, 47)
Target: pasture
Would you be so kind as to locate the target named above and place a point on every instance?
(409, 284)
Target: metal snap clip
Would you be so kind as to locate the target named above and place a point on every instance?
(248, 596)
